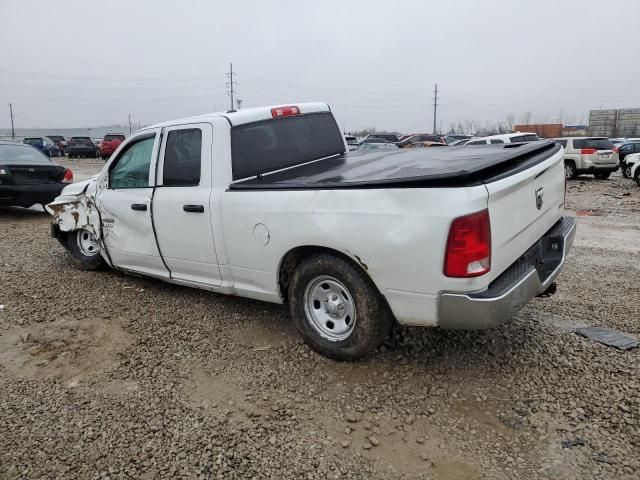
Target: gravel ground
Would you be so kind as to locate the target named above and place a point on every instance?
(108, 376)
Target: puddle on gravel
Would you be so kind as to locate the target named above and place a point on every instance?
(64, 350)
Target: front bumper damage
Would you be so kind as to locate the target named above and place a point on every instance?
(531, 275)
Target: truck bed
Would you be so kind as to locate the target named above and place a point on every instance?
(415, 167)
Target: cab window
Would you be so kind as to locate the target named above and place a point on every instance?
(131, 169)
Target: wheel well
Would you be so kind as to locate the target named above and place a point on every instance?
(296, 256)
(572, 162)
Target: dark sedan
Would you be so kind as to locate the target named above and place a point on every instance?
(81, 147)
(28, 177)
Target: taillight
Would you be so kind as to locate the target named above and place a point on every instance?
(68, 176)
(468, 252)
(588, 151)
(284, 111)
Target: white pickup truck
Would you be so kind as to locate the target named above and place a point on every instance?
(267, 203)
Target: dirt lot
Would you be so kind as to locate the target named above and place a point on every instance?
(108, 376)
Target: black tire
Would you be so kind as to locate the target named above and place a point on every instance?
(637, 176)
(602, 175)
(623, 169)
(627, 171)
(570, 171)
(70, 156)
(79, 258)
(372, 318)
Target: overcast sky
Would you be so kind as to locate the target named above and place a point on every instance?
(84, 63)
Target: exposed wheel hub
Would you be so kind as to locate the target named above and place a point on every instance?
(330, 308)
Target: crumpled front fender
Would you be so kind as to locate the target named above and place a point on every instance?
(75, 209)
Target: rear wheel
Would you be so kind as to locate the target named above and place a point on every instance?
(84, 249)
(570, 171)
(602, 175)
(627, 171)
(337, 308)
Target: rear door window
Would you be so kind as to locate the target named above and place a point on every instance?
(597, 143)
(525, 138)
(478, 142)
(269, 145)
(496, 140)
(182, 158)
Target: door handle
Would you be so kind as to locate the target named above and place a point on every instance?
(193, 208)
(140, 207)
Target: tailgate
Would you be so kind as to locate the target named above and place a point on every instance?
(522, 207)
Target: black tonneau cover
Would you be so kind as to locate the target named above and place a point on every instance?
(416, 167)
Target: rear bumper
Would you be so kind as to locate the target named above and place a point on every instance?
(81, 151)
(529, 276)
(27, 195)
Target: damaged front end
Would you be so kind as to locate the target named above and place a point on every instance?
(75, 209)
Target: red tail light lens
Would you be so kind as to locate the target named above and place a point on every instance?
(468, 252)
(68, 176)
(588, 151)
(284, 111)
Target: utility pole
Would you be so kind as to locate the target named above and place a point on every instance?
(13, 133)
(129, 124)
(231, 84)
(435, 108)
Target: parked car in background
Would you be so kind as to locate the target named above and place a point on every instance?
(374, 140)
(60, 141)
(352, 243)
(110, 142)
(591, 155)
(78, 147)
(27, 176)
(517, 137)
(389, 137)
(45, 145)
(422, 140)
(632, 169)
(456, 137)
(378, 146)
(459, 143)
(627, 148)
(352, 142)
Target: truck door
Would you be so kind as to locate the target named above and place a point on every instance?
(182, 212)
(124, 202)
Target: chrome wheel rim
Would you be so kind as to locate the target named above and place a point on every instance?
(568, 171)
(329, 308)
(87, 243)
(628, 172)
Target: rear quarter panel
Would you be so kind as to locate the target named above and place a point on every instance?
(398, 236)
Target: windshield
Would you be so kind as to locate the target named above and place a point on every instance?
(16, 154)
(80, 140)
(113, 137)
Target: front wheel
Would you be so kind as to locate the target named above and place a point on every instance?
(337, 308)
(627, 171)
(84, 249)
(602, 175)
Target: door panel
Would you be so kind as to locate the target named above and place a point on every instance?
(125, 207)
(182, 211)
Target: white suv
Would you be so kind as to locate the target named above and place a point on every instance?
(592, 155)
(505, 138)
